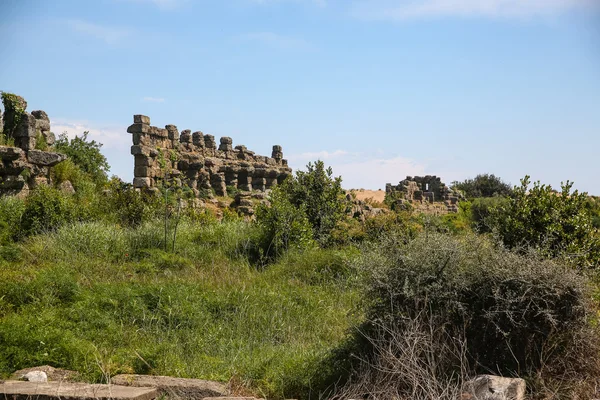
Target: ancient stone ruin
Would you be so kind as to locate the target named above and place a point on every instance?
(24, 163)
(193, 160)
(419, 189)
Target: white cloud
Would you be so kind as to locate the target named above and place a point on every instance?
(276, 40)
(415, 9)
(116, 142)
(153, 99)
(320, 155)
(109, 34)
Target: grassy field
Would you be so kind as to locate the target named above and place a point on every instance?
(103, 300)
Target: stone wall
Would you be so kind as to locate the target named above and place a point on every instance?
(429, 188)
(22, 166)
(194, 160)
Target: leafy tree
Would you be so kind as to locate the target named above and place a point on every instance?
(556, 223)
(86, 155)
(321, 195)
(483, 185)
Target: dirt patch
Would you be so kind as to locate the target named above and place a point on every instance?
(375, 195)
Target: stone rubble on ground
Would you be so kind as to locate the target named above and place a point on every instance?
(491, 387)
(195, 389)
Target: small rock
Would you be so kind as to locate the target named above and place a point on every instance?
(35, 376)
(67, 187)
(490, 387)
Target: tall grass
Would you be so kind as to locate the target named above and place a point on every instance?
(103, 299)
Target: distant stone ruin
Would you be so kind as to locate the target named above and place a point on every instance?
(193, 160)
(23, 165)
(419, 189)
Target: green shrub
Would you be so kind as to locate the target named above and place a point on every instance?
(483, 185)
(85, 154)
(11, 213)
(66, 171)
(321, 197)
(557, 224)
(284, 225)
(481, 212)
(127, 206)
(46, 209)
(511, 314)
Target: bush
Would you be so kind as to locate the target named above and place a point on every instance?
(557, 224)
(11, 213)
(483, 185)
(283, 224)
(320, 196)
(127, 206)
(46, 209)
(481, 212)
(511, 314)
(84, 154)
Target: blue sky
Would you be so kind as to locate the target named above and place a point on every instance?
(378, 89)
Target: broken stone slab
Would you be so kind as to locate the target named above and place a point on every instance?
(10, 153)
(177, 387)
(53, 374)
(491, 387)
(20, 390)
(45, 158)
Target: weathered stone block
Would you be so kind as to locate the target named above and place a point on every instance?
(50, 138)
(209, 142)
(141, 119)
(140, 182)
(45, 158)
(10, 153)
(138, 128)
(198, 139)
(172, 132)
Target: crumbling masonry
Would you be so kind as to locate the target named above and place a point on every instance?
(193, 160)
(22, 166)
(428, 188)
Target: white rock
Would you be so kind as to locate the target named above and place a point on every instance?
(36, 376)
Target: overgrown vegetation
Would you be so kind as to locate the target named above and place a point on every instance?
(84, 154)
(304, 301)
(483, 185)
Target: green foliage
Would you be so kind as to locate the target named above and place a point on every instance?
(127, 206)
(85, 154)
(321, 197)
(40, 142)
(67, 171)
(481, 212)
(593, 206)
(14, 107)
(95, 297)
(514, 314)
(6, 140)
(11, 213)
(284, 225)
(46, 209)
(558, 224)
(483, 185)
